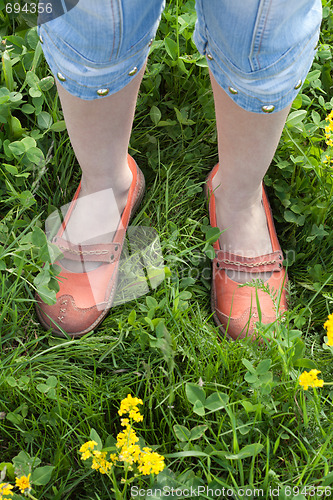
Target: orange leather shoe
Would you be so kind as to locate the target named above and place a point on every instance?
(235, 305)
(84, 299)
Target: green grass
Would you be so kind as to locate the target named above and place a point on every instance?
(269, 433)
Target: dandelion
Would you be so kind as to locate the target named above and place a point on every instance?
(329, 327)
(5, 490)
(310, 379)
(23, 483)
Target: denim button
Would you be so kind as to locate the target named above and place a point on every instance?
(102, 92)
(268, 108)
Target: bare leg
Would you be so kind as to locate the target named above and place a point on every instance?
(246, 142)
(99, 131)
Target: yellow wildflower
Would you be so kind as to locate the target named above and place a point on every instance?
(86, 449)
(130, 454)
(5, 490)
(113, 458)
(104, 467)
(148, 462)
(310, 379)
(329, 130)
(135, 415)
(101, 464)
(89, 445)
(95, 464)
(329, 118)
(128, 404)
(151, 463)
(126, 437)
(329, 327)
(23, 483)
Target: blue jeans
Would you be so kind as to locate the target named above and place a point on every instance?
(259, 51)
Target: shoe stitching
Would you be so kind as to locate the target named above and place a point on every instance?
(262, 263)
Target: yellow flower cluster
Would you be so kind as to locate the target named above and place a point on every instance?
(86, 449)
(130, 454)
(148, 462)
(99, 461)
(329, 136)
(5, 490)
(130, 405)
(126, 437)
(23, 483)
(329, 129)
(329, 327)
(310, 379)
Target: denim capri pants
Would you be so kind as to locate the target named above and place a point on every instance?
(259, 51)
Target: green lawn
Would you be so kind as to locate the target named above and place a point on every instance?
(223, 414)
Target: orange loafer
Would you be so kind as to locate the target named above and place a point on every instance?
(84, 299)
(234, 305)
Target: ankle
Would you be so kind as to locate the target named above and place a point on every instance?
(120, 183)
(236, 199)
